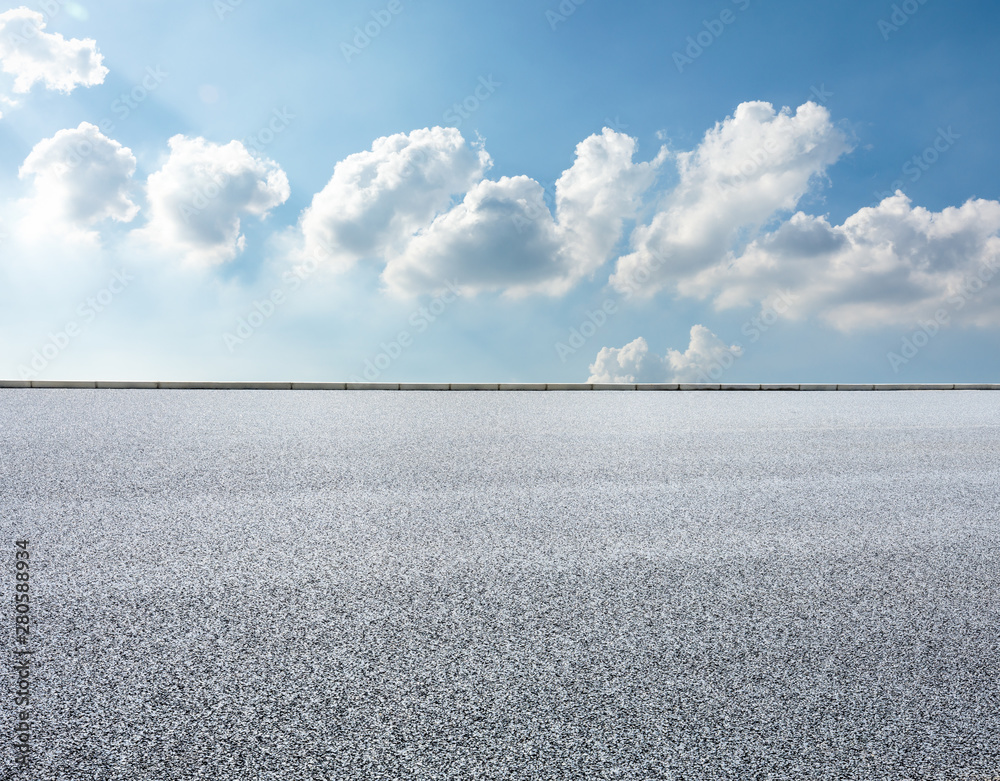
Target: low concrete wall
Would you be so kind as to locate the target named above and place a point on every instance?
(489, 386)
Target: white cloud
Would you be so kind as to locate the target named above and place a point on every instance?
(704, 358)
(493, 239)
(631, 363)
(32, 56)
(889, 264)
(703, 361)
(503, 237)
(595, 197)
(197, 198)
(393, 204)
(81, 177)
(378, 199)
(746, 170)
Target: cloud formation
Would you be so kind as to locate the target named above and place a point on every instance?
(503, 236)
(886, 265)
(197, 199)
(378, 199)
(80, 177)
(394, 204)
(747, 169)
(493, 239)
(601, 191)
(631, 363)
(418, 206)
(33, 56)
(701, 362)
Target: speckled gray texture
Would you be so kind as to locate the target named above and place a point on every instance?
(278, 585)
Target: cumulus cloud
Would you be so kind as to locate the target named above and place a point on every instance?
(631, 363)
(703, 361)
(503, 236)
(704, 358)
(378, 199)
(596, 196)
(889, 264)
(747, 169)
(81, 177)
(492, 239)
(417, 205)
(395, 205)
(197, 198)
(32, 56)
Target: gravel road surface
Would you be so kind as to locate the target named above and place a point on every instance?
(381, 585)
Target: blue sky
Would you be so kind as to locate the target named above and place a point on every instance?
(283, 195)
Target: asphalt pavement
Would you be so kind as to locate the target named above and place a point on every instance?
(374, 585)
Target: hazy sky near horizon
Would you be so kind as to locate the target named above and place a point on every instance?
(526, 190)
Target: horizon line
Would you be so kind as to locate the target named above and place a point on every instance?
(472, 386)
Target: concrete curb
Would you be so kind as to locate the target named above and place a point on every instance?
(490, 386)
